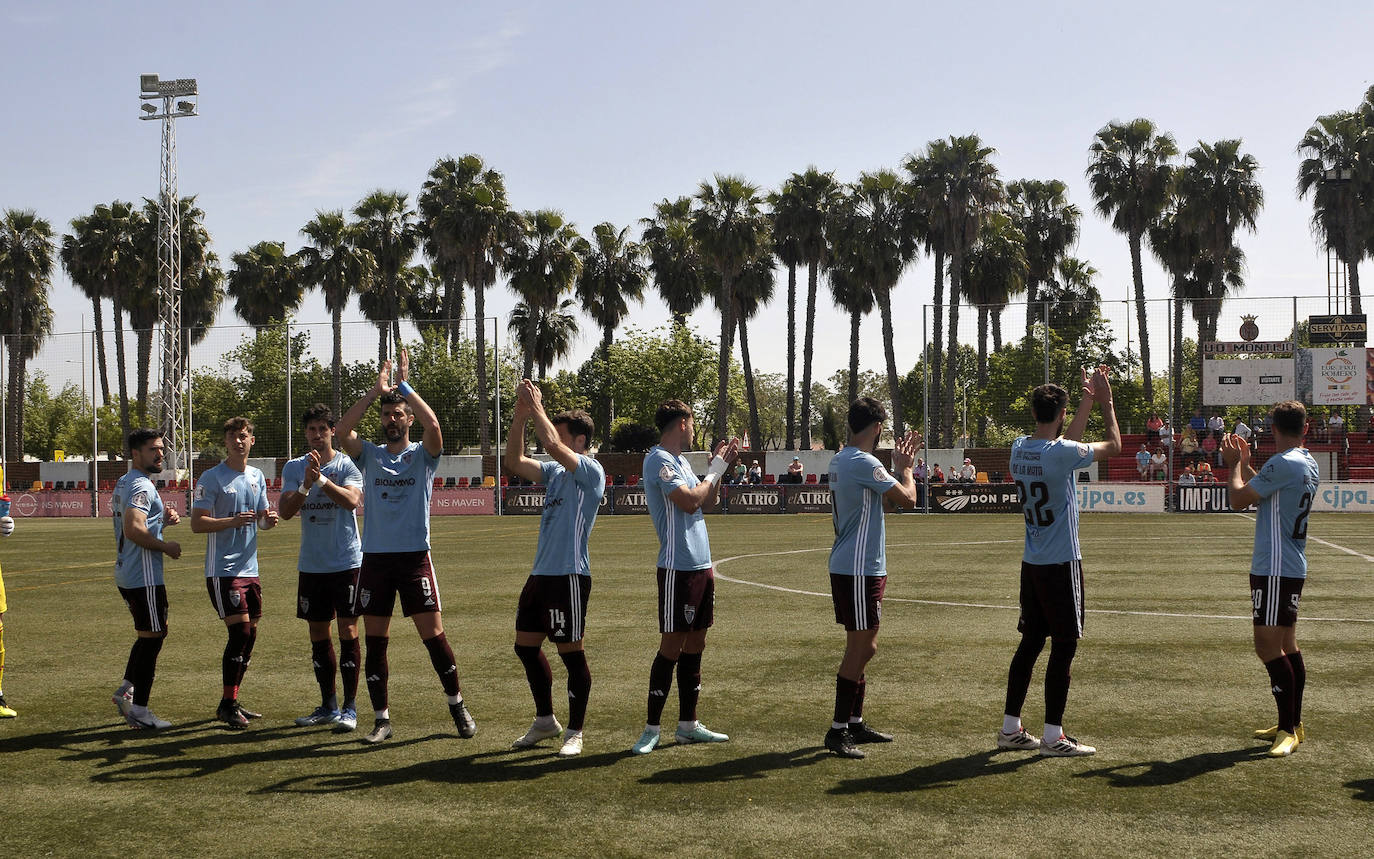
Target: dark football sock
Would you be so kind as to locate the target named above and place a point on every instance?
(441, 657)
(350, 658)
(322, 658)
(856, 712)
(231, 666)
(145, 668)
(1281, 683)
(131, 667)
(1019, 677)
(248, 651)
(844, 698)
(1062, 651)
(1299, 683)
(539, 676)
(660, 681)
(377, 670)
(579, 687)
(688, 686)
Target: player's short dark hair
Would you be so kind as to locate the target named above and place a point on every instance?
(1290, 418)
(391, 398)
(139, 437)
(578, 423)
(318, 412)
(1047, 401)
(864, 413)
(238, 424)
(670, 411)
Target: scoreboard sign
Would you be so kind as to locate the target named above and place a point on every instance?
(1349, 328)
(1248, 381)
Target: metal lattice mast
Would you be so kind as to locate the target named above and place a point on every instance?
(171, 400)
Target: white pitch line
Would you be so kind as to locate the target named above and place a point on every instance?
(1335, 546)
(722, 561)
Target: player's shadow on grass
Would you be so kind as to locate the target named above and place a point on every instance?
(1164, 773)
(736, 769)
(482, 767)
(940, 775)
(1364, 789)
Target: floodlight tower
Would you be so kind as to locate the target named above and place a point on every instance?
(171, 403)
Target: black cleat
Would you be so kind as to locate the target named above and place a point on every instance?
(838, 741)
(860, 733)
(229, 713)
(381, 730)
(462, 720)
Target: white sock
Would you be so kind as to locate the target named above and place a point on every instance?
(684, 727)
(454, 699)
(1011, 724)
(651, 729)
(568, 735)
(1053, 733)
(545, 721)
(856, 720)
(839, 726)
(383, 714)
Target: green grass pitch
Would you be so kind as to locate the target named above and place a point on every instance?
(1169, 699)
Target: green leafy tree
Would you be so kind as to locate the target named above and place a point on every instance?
(1337, 171)
(440, 206)
(1042, 212)
(552, 333)
(996, 268)
(28, 252)
(674, 260)
(265, 284)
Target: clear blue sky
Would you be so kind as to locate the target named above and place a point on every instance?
(600, 109)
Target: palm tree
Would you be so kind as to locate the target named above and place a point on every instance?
(1178, 249)
(753, 290)
(959, 189)
(801, 210)
(1042, 212)
(543, 265)
(439, 205)
(1072, 298)
(27, 253)
(1218, 195)
(926, 185)
(1129, 177)
(333, 263)
(731, 231)
(612, 275)
(995, 269)
(1338, 171)
(386, 229)
(85, 270)
(265, 283)
(554, 334)
(849, 287)
(674, 260)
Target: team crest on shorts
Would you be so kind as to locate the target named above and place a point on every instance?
(234, 598)
(689, 613)
(305, 604)
(364, 597)
(667, 473)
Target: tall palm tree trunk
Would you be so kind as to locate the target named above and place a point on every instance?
(336, 322)
(996, 330)
(453, 288)
(1178, 355)
(983, 314)
(144, 370)
(14, 428)
(531, 332)
(607, 409)
(1353, 252)
(479, 307)
(99, 313)
(396, 333)
(1032, 293)
(755, 430)
(1142, 318)
(883, 295)
(117, 298)
(812, 276)
(937, 354)
(791, 356)
(727, 330)
(854, 318)
(956, 269)
(382, 330)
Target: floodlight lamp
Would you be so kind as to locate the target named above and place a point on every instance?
(186, 107)
(148, 108)
(147, 83)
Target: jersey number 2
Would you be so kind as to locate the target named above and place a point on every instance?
(1039, 514)
(1300, 523)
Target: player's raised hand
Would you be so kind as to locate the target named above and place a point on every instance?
(312, 469)
(1087, 383)
(1234, 450)
(384, 385)
(404, 372)
(728, 450)
(535, 395)
(1101, 384)
(904, 452)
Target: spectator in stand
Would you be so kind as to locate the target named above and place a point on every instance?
(1188, 447)
(1142, 461)
(938, 475)
(1204, 472)
(1210, 448)
(796, 472)
(1336, 427)
(1187, 478)
(755, 473)
(1261, 426)
(1159, 464)
(1198, 423)
(1217, 425)
(920, 472)
(1152, 427)
(967, 473)
(1243, 432)
(1166, 436)
(740, 473)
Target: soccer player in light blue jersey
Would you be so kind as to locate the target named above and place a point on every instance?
(139, 517)
(553, 603)
(1043, 466)
(858, 560)
(686, 582)
(230, 506)
(398, 481)
(1283, 489)
(325, 487)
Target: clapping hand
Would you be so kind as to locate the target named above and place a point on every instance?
(904, 451)
(1100, 384)
(728, 450)
(1234, 450)
(384, 385)
(312, 470)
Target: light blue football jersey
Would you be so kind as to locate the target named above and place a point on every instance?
(571, 502)
(1044, 474)
(329, 533)
(135, 566)
(682, 541)
(1287, 484)
(224, 492)
(857, 483)
(396, 493)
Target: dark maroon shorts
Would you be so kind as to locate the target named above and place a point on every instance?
(1275, 599)
(555, 606)
(686, 599)
(321, 596)
(384, 575)
(1052, 600)
(148, 605)
(858, 600)
(232, 596)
